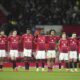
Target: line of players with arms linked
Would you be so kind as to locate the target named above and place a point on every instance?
(42, 47)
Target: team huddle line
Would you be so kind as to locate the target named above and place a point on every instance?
(41, 47)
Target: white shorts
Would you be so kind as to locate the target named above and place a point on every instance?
(14, 53)
(51, 54)
(73, 55)
(63, 56)
(2, 53)
(27, 52)
(79, 56)
(41, 55)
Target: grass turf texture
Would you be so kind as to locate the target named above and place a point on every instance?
(8, 74)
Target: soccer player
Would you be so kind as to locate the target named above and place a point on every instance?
(51, 49)
(3, 48)
(27, 40)
(13, 46)
(79, 52)
(64, 50)
(73, 44)
(40, 50)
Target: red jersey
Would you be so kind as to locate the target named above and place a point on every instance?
(41, 41)
(3, 43)
(73, 44)
(27, 40)
(34, 43)
(63, 46)
(79, 46)
(51, 41)
(14, 42)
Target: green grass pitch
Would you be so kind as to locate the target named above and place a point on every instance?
(8, 74)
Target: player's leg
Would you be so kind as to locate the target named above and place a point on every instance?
(67, 65)
(53, 57)
(14, 63)
(27, 55)
(38, 57)
(61, 58)
(1, 64)
(60, 64)
(71, 61)
(0, 61)
(37, 64)
(52, 62)
(26, 61)
(14, 55)
(2, 56)
(75, 61)
(49, 64)
(75, 65)
(49, 61)
(43, 64)
(71, 65)
(79, 60)
(66, 58)
(43, 53)
(29, 58)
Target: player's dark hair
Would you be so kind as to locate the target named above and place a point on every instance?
(52, 30)
(62, 33)
(14, 30)
(74, 33)
(28, 29)
(1, 30)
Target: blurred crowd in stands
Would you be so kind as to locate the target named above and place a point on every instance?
(41, 12)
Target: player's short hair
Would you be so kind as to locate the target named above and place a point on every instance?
(14, 30)
(1, 30)
(62, 33)
(52, 30)
(74, 33)
(28, 29)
